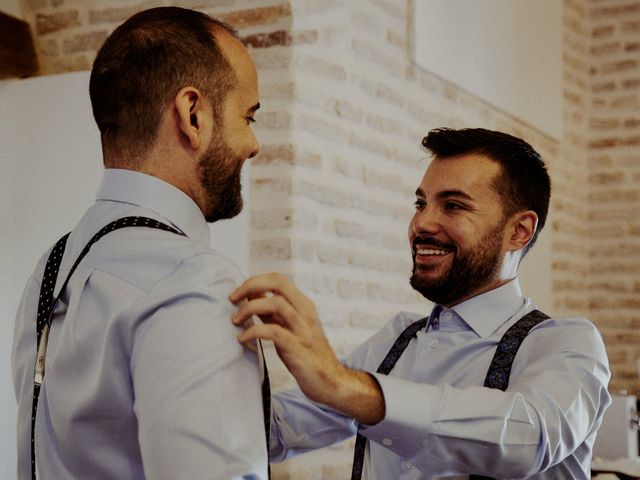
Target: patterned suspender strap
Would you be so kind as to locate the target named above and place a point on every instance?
(398, 347)
(42, 330)
(500, 368)
(47, 302)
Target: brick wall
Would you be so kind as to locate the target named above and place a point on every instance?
(570, 174)
(344, 110)
(614, 176)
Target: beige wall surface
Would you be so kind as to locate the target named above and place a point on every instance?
(11, 7)
(509, 55)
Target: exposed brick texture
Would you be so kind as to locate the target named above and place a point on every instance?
(613, 189)
(90, 42)
(344, 110)
(56, 21)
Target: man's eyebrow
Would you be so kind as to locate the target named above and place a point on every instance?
(254, 108)
(446, 194)
(454, 193)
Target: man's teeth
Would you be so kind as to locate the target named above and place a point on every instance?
(430, 251)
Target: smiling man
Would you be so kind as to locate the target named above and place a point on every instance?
(485, 384)
(144, 376)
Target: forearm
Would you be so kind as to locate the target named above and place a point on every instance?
(356, 394)
(299, 425)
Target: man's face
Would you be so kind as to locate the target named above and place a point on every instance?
(457, 233)
(233, 141)
(220, 172)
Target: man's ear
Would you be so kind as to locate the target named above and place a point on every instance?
(522, 228)
(193, 114)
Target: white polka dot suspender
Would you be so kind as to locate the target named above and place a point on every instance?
(46, 303)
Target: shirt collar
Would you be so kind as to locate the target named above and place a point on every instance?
(487, 312)
(169, 202)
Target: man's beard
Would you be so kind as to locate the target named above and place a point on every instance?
(220, 176)
(470, 270)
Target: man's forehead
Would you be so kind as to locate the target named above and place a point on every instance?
(245, 90)
(236, 54)
(465, 173)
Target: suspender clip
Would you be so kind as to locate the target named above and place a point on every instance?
(41, 356)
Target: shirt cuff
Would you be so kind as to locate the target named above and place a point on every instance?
(409, 414)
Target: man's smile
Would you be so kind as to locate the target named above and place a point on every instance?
(430, 251)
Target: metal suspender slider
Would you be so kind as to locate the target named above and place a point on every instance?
(41, 357)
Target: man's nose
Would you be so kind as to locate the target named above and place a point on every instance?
(255, 148)
(425, 221)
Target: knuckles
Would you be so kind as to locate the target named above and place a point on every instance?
(278, 280)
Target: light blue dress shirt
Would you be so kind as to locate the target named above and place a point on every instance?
(441, 422)
(145, 377)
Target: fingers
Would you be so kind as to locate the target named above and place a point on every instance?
(274, 309)
(256, 286)
(274, 283)
(263, 331)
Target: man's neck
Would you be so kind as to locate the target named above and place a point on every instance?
(487, 288)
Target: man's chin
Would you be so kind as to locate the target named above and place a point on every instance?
(429, 272)
(431, 291)
(224, 214)
(426, 281)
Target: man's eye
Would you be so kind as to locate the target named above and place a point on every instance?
(419, 204)
(453, 206)
(250, 119)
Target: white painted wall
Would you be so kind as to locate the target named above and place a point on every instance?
(11, 7)
(51, 164)
(508, 53)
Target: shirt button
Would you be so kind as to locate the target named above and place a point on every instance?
(408, 465)
(447, 315)
(387, 442)
(435, 344)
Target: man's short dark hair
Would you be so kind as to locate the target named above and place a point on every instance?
(523, 184)
(142, 66)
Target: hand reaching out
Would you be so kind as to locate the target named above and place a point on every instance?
(290, 320)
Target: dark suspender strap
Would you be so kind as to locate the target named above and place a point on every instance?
(266, 405)
(497, 376)
(44, 305)
(500, 368)
(47, 302)
(398, 347)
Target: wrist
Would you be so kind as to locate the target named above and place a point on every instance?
(358, 395)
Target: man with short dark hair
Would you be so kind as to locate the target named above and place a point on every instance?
(485, 384)
(144, 376)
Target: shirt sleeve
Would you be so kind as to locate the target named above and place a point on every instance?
(555, 400)
(299, 425)
(197, 390)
